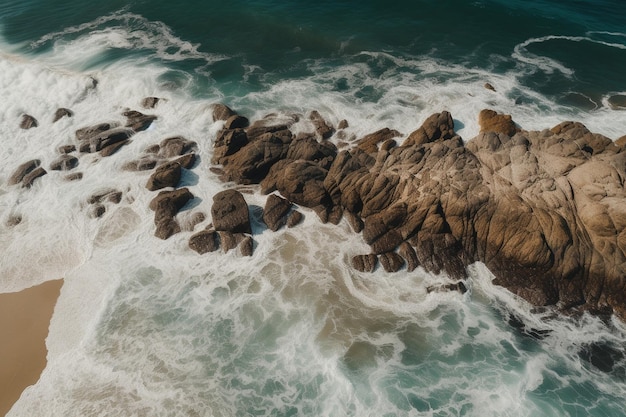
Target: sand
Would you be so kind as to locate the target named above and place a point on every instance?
(24, 321)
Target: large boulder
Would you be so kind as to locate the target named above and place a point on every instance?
(166, 175)
(230, 212)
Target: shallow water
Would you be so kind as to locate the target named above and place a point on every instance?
(148, 327)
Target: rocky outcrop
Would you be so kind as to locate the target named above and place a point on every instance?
(543, 210)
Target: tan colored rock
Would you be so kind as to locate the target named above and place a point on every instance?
(491, 121)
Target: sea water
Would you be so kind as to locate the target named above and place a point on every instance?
(146, 327)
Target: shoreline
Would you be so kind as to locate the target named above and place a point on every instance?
(24, 322)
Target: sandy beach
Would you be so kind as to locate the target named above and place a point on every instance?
(24, 321)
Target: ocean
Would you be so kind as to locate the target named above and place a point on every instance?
(147, 327)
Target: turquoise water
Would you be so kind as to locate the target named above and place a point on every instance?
(147, 327)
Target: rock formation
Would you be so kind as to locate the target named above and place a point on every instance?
(543, 210)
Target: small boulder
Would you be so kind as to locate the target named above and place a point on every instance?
(22, 170)
(365, 263)
(275, 212)
(143, 164)
(166, 175)
(28, 122)
(29, 178)
(247, 246)
(491, 121)
(391, 261)
(113, 148)
(294, 219)
(61, 113)
(176, 146)
(323, 129)
(204, 241)
(65, 149)
(236, 122)
(222, 112)
(137, 120)
(150, 102)
(369, 143)
(64, 163)
(91, 131)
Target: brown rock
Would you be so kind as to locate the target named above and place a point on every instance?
(113, 148)
(88, 132)
(142, 164)
(110, 195)
(308, 148)
(166, 227)
(236, 122)
(13, 220)
(65, 149)
(275, 212)
(408, 253)
(165, 205)
(61, 113)
(365, 263)
(491, 121)
(323, 129)
(107, 138)
(28, 122)
(489, 87)
(227, 143)
(138, 121)
(369, 143)
(170, 202)
(150, 102)
(247, 246)
(64, 163)
(230, 212)
(166, 175)
(32, 176)
(22, 170)
(294, 218)
(176, 146)
(222, 112)
(204, 242)
(391, 261)
(186, 161)
(439, 126)
(252, 162)
(74, 176)
(230, 240)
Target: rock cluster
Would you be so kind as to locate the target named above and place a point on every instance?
(543, 210)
